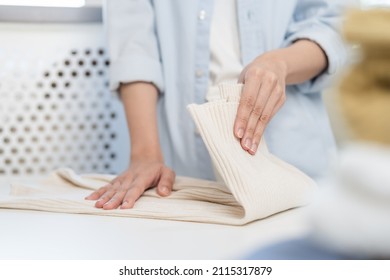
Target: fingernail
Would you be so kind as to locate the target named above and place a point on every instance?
(253, 148)
(240, 133)
(248, 143)
(124, 204)
(165, 190)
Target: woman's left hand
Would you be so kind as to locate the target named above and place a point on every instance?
(262, 96)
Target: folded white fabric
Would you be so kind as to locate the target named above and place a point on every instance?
(254, 187)
(262, 184)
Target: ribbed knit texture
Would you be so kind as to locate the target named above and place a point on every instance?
(255, 186)
(262, 184)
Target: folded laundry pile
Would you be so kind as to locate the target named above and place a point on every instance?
(352, 215)
(365, 90)
(253, 187)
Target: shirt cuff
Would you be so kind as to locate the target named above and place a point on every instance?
(135, 68)
(334, 48)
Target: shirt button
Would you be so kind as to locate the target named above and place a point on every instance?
(202, 15)
(199, 73)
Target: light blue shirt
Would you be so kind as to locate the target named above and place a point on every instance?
(166, 42)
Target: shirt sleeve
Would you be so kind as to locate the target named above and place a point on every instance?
(320, 22)
(132, 43)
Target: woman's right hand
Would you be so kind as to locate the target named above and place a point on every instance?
(127, 188)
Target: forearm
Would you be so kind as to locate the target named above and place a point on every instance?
(302, 61)
(140, 102)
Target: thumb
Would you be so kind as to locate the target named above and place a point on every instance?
(165, 185)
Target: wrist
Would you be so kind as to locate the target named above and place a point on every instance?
(151, 153)
(276, 60)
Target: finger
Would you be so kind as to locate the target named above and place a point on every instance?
(165, 185)
(247, 101)
(265, 118)
(117, 199)
(267, 87)
(137, 188)
(98, 193)
(107, 195)
(121, 184)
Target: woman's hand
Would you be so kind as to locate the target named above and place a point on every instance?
(265, 81)
(128, 187)
(147, 168)
(262, 96)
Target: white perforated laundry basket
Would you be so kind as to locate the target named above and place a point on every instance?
(55, 106)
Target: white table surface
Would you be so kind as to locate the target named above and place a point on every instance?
(43, 235)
